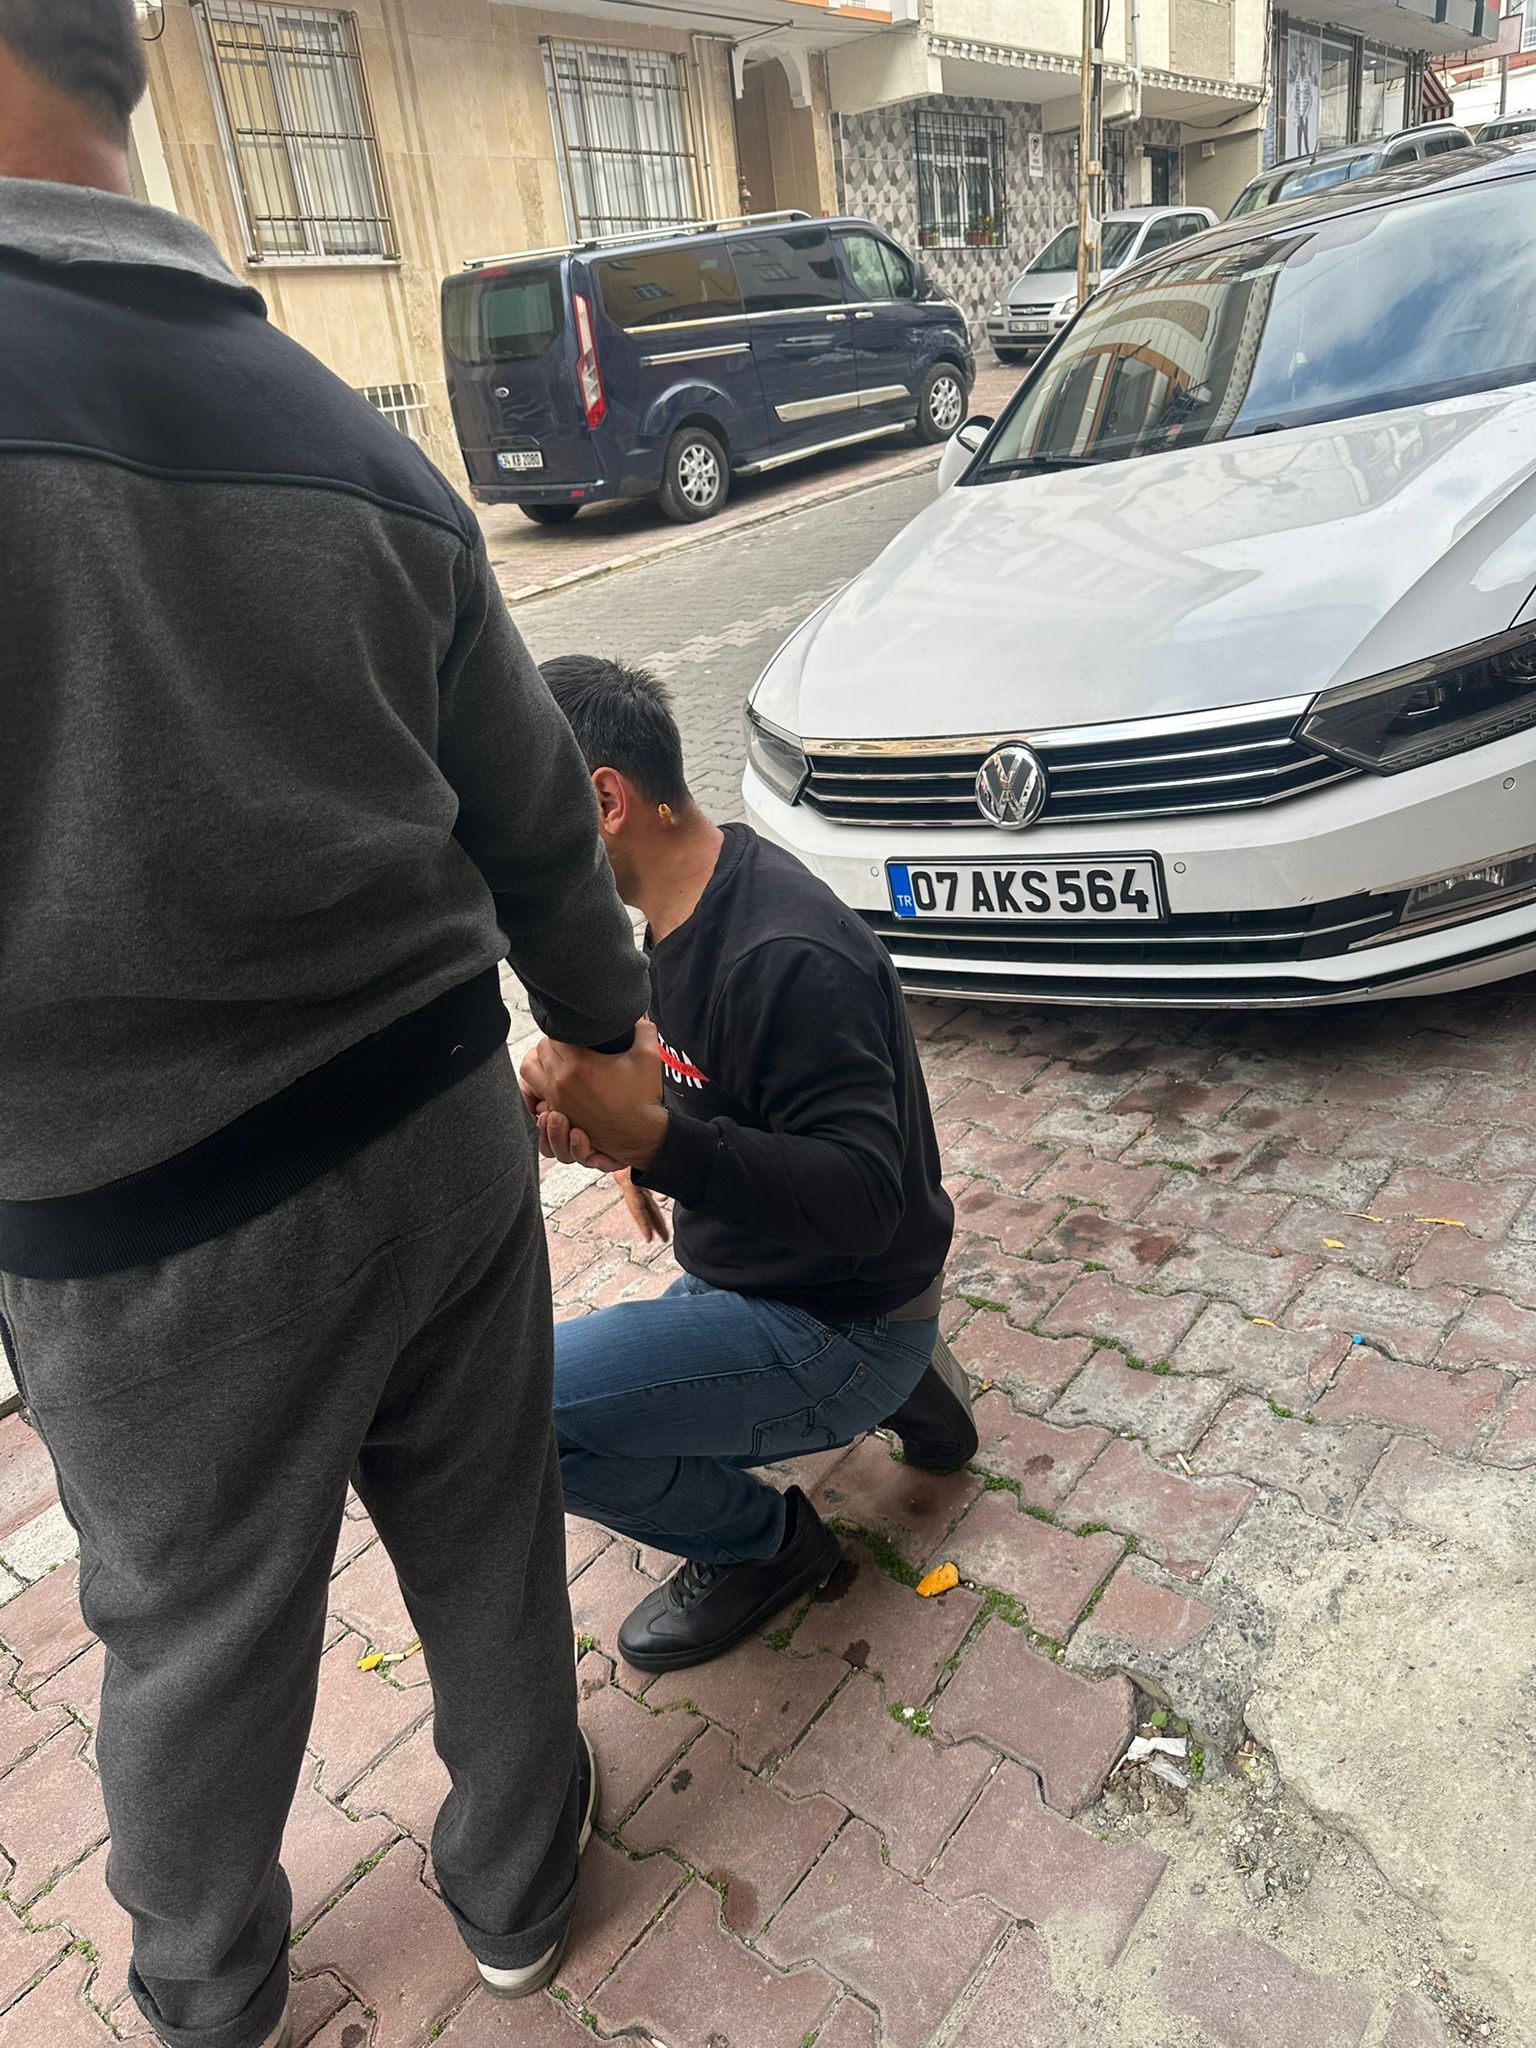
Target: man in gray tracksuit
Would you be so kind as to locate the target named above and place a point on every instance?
(279, 788)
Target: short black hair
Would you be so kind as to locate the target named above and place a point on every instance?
(622, 718)
(89, 50)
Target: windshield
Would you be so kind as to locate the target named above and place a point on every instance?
(1318, 177)
(1348, 315)
(1115, 239)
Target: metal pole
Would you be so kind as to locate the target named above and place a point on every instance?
(1087, 165)
(1503, 85)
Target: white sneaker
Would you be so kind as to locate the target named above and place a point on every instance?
(534, 1976)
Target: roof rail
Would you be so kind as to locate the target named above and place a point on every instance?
(666, 234)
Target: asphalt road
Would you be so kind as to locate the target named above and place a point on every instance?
(707, 618)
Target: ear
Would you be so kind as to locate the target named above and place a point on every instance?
(613, 800)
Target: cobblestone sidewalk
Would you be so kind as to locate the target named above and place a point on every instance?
(1248, 1301)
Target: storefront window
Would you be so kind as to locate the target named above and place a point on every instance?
(1336, 93)
(1383, 80)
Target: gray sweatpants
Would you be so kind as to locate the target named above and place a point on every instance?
(389, 1325)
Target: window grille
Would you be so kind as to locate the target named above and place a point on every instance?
(624, 129)
(298, 130)
(401, 404)
(961, 181)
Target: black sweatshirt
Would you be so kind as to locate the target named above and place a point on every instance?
(800, 1145)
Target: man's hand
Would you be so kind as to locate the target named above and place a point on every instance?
(610, 1102)
(650, 1217)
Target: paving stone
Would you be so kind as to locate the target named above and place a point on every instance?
(1371, 1087)
(1416, 2024)
(909, 1953)
(43, 1628)
(1189, 1201)
(1147, 1325)
(522, 2023)
(323, 2012)
(1070, 1123)
(1505, 1266)
(1255, 1281)
(359, 1716)
(913, 1789)
(1052, 1571)
(1453, 1408)
(1410, 1320)
(594, 1203)
(80, 1905)
(877, 1624)
(26, 1475)
(1118, 1190)
(766, 1698)
(1442, 1145)
(851, 2026)
(570, 1257)
(1322, 1464)
(77, 1686)
(1142, 1615)
(1281, 1165)
(1185, 1521)
(1494, 1331)
(392, 1941)
(50, 1813)
(1046, 1460)
(604, 1594)
(912, 1510)
(1201, 1103)
(633, 1745)
(407, 1788)
(1013, 1849)
(688, 1981)
(55, 2014)
(975, 1149)
(1070, 1731)
(25, 1955)
(24, 1727)
(735, 1830)
(618, 1899)
(1486, 1207)
(988, 1277)
(1016, 1224)
(1513, 1441)
(355, 1536)
(1334, 1237)
(366, 1596)
(1033, 1369)
(1246, 1994)
(1131, 1251)
(583, 1542)
(39, 1546)
(1410, 1479)
(1166, 1410)
(1290, 1366)
(1014, 2007)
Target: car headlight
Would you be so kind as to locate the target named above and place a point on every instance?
(997, 310)
(777, 756)
(1432, 708)
(1065, 306)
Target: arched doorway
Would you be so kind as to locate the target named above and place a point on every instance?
(781, 135)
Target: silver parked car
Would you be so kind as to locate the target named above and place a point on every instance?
(1299, 175)
(1043, 298)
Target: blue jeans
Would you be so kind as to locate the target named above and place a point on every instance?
(662, 1406)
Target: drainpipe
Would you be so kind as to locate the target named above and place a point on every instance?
(1135, 56)
(712, 206)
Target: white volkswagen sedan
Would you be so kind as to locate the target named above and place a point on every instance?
(1211, 676)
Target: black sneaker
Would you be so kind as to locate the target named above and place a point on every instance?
(705, 1608)
(535, 1976)
(935, 1424)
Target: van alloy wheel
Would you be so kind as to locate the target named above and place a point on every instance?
(698, 475)
(946, 403)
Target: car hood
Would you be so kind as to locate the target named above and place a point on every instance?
(1242, 571)
(1042, 287)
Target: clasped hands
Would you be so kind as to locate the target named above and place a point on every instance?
(602, 1110)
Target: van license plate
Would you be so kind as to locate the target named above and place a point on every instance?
(1094, 891)
(519, 458)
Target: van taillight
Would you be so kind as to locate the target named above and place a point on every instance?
(588, 378)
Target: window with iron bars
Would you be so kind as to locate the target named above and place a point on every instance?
(293, 108)
(960, 180)
(624, 127)
(403, 405)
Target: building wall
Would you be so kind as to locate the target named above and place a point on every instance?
(469, 160)
(879, 181)
(1216, 180)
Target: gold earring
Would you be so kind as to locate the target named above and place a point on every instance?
(664, 812)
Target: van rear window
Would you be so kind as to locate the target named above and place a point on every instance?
(511, 316)
(659, 287)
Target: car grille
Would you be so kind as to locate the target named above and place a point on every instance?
(1255, 938)
(1033, 312)
(1152, 769)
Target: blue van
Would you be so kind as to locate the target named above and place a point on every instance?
(661, 365)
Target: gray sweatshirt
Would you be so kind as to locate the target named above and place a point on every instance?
(275, 768)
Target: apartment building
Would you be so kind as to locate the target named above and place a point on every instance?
(345, 159)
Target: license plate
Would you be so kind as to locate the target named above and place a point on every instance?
(519, 458)
(1027, 326)
(1094, 892)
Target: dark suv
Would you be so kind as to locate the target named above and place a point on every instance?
(662, 365)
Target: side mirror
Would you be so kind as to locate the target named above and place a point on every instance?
(961, 446)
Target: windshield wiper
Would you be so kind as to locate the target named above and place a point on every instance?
(1042, 465)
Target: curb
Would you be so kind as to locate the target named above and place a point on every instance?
(691, 537)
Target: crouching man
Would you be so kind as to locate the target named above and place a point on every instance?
(779, 1101)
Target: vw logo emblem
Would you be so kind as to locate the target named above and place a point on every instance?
(1010, 787)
